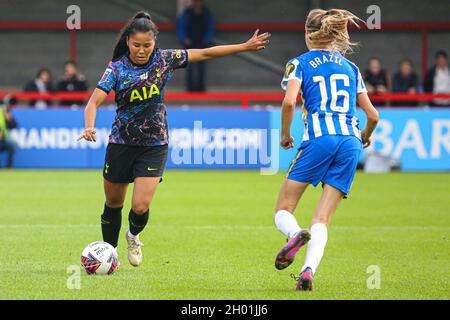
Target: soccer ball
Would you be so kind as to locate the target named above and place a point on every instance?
(99, 258)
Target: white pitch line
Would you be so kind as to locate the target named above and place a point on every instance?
(221, 226)
(62, 226)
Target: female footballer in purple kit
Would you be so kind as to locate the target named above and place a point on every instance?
(330, 86)
(138, 144)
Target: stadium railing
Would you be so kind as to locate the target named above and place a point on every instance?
(243, 99)
(423, 27)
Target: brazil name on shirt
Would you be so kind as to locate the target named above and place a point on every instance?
(329, 86)
(141, 114)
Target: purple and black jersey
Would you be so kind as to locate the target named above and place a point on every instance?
(141, 114)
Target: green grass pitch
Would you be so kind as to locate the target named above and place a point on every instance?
(211, 236)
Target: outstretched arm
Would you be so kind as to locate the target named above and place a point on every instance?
(255, 43)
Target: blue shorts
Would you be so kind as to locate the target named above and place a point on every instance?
(330, 159)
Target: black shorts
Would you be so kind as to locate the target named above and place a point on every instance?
(123, 163)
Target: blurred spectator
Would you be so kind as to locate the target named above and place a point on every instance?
(182, 5)
(437, 79)
(405, 81)
(43, 84)
(195, 29)
(72, 80)
(7, 122)
(376, 79)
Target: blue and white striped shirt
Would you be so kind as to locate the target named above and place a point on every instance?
(329, 85)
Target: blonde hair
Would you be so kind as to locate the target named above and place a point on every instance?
(328, 28)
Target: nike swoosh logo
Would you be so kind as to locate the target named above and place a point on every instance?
(151, 169)
(125, 82)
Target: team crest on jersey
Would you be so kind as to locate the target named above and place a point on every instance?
(289, 69)
(144, 76)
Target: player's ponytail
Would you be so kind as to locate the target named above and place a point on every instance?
(329, 29)
(141, 22)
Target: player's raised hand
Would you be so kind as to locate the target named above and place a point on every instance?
(88, 135)
(257, 41)
(287, 142)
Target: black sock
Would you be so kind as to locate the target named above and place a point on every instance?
(137, 222)
(111, 223)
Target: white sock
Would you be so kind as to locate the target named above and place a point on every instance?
(286, 223)
(131, 235)
(316, 246)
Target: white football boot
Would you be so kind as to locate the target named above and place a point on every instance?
(134, 250)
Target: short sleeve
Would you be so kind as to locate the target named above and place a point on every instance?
(176, 58)
(292, 72)
(360, 86)
(108, 80)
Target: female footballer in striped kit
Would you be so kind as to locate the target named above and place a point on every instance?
(137, 150)
(330, 86)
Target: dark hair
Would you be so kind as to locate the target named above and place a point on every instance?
(441, 53)
(406, 60)
(70, 62)
(42, 70)
(141, 22)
